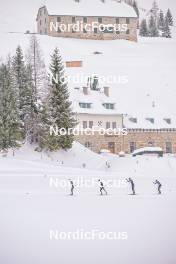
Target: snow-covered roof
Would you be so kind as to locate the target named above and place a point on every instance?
(149, 122)
(110, 8)
(95, 98)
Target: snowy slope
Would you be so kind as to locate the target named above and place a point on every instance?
(148, 66)
(74, 157)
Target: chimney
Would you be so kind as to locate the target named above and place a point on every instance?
(106, 91)
(85, 90)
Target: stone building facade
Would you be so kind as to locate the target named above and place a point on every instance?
(135, 139)
(64, 25)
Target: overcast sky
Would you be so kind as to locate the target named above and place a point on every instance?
(20, 15)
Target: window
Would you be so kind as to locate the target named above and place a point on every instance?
(168, 147)
(117, 21)
(45, 31)
(168, 120)
(95, 30)
(59, 30)
(114, 125)
(85, 105)
(90, 124)
(84, 124)
(133, 119)
(108, 125)
(108, 106)
(58, 19)
(128, 21)
(100, 20)
(151, 120)
(45, 20)
(128, 32)
(100, 123)
(40, 22)
(132, 146)
(117, 32)
(73, 19)
(85, 19)
(84, 30)
(88, 145)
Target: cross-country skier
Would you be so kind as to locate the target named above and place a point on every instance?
(72, 187)
(159, 186)
(102, 188)
(132, 185)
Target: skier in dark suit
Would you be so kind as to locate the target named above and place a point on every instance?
(132, 185)
(72, 187)
(159, 186)
(102, 188)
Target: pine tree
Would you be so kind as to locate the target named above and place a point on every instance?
(155, 10)
(153, 31)
(10, 126)
(129, 2)
(57, 111)
(37, 78)
(161, 21)
(166, 30)
(143, 29)
(170, 18)
(32, 116)
(35, 59)
(135, 6)
(23, 87)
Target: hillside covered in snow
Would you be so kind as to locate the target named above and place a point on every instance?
(143, 72)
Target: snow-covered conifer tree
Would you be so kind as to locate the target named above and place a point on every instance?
(161, 21)
(155, 10)
(169, 17)
(153, 30)
(10, 125)
(166, 30)
(143, 29)
(135, 6)
(57, 109)
(23, 87)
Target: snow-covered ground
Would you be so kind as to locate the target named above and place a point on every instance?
(34, 201)
(152, 60)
